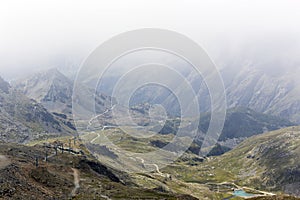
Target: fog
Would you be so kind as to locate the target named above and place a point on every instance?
(36, 35)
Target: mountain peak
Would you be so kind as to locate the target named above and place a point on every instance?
(52, 73)
(49, 87)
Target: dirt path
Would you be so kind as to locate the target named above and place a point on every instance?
(94, 118)
(98, 134)
(155, 165)
(4, 161)
(263, 192)
(76, 182)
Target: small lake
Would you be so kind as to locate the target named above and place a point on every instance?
(242, 193)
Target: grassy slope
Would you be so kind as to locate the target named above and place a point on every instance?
(54, 179)
(258, 162)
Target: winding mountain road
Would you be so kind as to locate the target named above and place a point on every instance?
(98, 134)
(94, 118)
(155, 165)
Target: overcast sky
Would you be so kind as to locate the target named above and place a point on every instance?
(42, 34)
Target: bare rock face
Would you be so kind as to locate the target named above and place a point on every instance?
(262, 92)
(54, 91)
(50, 88)
(23, 119)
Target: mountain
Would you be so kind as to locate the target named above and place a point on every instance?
(257, 89)
(269, 161)
(246, 85)
(243, 122)
(54, 90)
(240, 123)
(51, 88)
(263, 92)
(23, 119)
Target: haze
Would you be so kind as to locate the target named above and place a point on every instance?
(35, 34)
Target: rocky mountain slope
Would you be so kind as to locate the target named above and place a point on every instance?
(240, 123)
(243, 122)
(51, 88)
(269, 161)
(23, 119)
(54, 90)
(263, 92)
(266, 91)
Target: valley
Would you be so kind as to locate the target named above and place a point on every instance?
(113, 155)
(214, 173)
(149, 100)
(86, 175)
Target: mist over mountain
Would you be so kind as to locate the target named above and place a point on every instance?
(243, 122)
(259, 71)
(23, 119)
(51, 88)
(55, 91)
(263, 86)
(89, 112)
